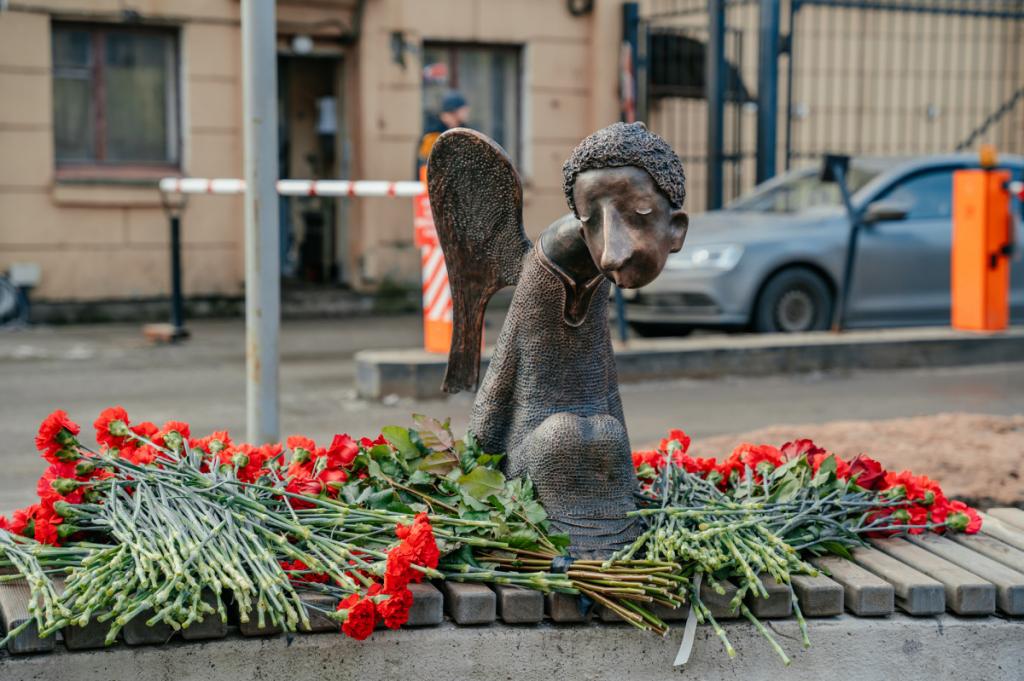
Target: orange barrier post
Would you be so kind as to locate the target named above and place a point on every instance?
(437, 296)
(981, 234)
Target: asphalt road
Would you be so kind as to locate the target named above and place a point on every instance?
(84, 369)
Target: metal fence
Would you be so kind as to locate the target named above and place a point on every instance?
(744, 88)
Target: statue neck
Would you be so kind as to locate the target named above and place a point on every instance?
(564, 246)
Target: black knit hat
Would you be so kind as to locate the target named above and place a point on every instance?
(627, 144)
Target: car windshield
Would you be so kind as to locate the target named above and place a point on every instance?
(801, 191)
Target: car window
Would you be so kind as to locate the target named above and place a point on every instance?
(927, 195)
(802, 191)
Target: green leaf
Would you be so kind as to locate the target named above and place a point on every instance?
(826, 472)
(560, 541)
(522, 539)
(534, 512)
(482, 482)
(434, 434)
(399, 438)
(472, 503)
(420, 477)
(467, 461)
(439, 463)
(837, 548)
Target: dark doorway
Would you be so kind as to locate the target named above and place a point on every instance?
(309, 109)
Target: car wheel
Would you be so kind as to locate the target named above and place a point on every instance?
(794, 300)
(648, 330)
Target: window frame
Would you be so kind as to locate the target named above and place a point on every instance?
(452, 47)
(100, 167)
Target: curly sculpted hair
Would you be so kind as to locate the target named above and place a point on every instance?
(627, 144)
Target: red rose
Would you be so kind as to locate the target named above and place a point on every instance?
(677, 436)
(360, 617)
(342, 452)
(56, 437)
(395, 610)
(796, 448)
(112, 427)
(367, 443)
(869, 473)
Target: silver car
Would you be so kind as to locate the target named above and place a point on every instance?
(772, 260)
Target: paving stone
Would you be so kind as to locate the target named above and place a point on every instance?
(469, 603)
(966, 593)
(427, 606)
(14, 598)
(211, 626)
(318, 620)
(1009, 583)
(864, 593)
(668, 614)
(519, 606)
(778, 604)
(916, 593)
(1004, 532)
(718, 603)
(1010, 516)
(990, 547)
(818, 596)
(566, 609)
(252, 627)
(136, 633)
(92, 635)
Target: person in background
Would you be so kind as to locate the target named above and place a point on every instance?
(454, 114)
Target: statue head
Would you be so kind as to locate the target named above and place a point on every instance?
(626, 186)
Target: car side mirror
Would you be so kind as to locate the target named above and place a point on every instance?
(885, 211)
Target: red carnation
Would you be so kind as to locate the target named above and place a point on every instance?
(395, 610)
(59, 483)
(213, 444)
(342, 452)
(299, 442)
(398, 570)
(112, 427)
(761, 459)
(56, 437)
(420, 538)
(360, 616)
(173, 435)
(677, 436)
(146, 429)
(963, 518)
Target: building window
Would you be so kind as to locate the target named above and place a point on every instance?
(115, 95)
(488, 77)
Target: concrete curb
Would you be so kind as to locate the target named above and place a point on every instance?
(418, 374)
(898, 647)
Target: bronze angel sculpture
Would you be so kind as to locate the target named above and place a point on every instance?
(550, 397)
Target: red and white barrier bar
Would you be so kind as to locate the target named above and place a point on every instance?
(355, 188)
(1016, 189)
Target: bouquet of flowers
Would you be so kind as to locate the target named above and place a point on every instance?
(161, 525)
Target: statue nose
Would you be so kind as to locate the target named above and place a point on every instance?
(617, 247)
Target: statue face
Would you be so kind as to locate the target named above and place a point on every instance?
(628, 224)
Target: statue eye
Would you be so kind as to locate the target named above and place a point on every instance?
(644, 211)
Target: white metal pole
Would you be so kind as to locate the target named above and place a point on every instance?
(262, 258)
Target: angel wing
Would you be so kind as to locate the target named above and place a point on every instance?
(477, 201)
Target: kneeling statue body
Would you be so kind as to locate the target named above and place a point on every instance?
(550, 397)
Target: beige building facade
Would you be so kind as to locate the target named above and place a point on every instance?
(351, 83)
